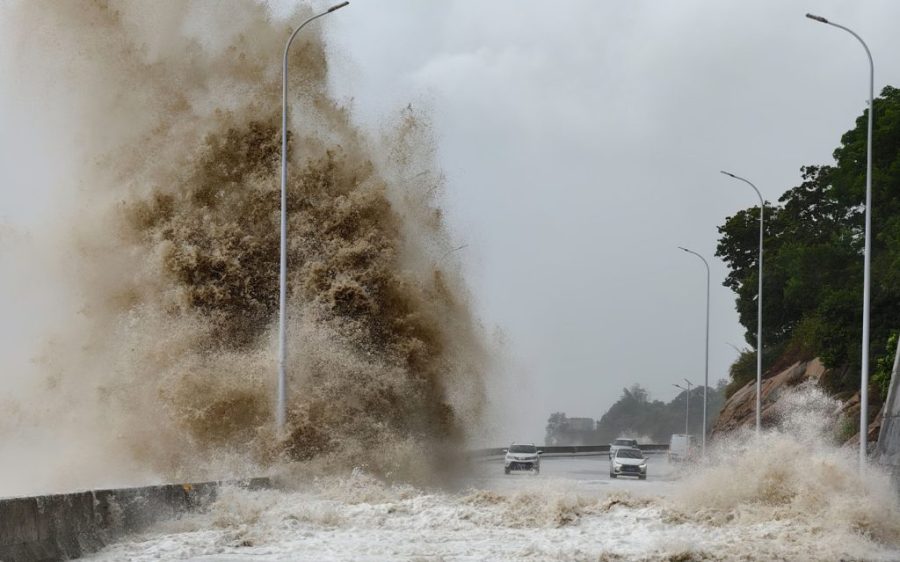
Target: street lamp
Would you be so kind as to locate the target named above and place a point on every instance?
(759, 301)
(282, 283)
(706, 367)
(447, 253)
(867, 255)
(687, 409)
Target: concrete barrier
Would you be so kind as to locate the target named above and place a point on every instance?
(64, 526)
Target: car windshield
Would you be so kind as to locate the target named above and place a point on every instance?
(630, 453)
(627, 442)
(523, 449)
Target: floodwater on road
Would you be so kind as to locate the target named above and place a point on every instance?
(571, 511)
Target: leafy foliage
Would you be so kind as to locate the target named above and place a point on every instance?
(742, 371)
(636, 415)
(884, 367)
(814, 241)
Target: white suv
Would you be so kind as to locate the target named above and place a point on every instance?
(628, 462)
(521, 456)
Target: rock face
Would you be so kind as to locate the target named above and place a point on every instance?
(740, 409)
(850, 411)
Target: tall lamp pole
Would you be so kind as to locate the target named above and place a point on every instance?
(759, 301)
(867, 255)
(706, 365)
(687, 408)
(280, 412)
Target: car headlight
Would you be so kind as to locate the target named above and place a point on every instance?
(617, 464)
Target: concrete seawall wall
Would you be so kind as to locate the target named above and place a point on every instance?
(887, 450)
(64, 526)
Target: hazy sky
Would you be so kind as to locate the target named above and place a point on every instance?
(582, 142)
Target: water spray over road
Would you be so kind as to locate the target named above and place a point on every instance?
(169, 367)
(166, 372)
(787, 496)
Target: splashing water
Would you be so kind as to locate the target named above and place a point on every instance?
(167, 370)
(791, 495)
(795, 481)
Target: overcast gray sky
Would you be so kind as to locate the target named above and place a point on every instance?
(582, 142)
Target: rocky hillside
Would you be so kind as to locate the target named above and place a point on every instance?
(739, 409)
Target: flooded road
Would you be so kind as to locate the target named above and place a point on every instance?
(571, 511)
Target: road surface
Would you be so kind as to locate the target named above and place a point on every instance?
(571, 511)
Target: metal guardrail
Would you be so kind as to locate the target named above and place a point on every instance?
(566, 450)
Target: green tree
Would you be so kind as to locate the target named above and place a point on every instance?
(884, 367)
(634, 413)
(812, 293)
(556, 425)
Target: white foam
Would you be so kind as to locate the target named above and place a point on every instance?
(789, 495)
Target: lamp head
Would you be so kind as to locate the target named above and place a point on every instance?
(728, 173)
(817, 18)
(337, 7)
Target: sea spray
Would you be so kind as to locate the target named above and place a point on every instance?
(790, 495)
(793, 474)
(168, 367)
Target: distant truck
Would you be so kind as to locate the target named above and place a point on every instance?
(681, 447)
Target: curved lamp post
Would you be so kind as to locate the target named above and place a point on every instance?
(759, 300)
(706, 367)
(280, 413)
(447, 253)
(867, 255)
(687, 407)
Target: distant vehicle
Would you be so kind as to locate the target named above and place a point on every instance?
(622, 444)
(628, 462)
(681, 447)
(522, 456)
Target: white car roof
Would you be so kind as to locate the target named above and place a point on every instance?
(629, 449)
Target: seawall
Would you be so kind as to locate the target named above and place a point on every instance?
(64, 526)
